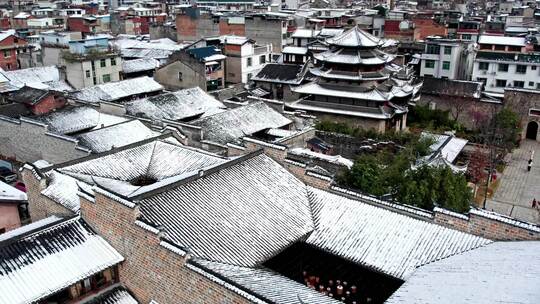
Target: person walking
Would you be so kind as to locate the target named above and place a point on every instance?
(529, 165)
(534, 203)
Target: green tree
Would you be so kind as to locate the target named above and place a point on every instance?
(365, 175)
(506, 124)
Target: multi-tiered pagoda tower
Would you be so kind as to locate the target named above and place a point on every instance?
(356, 81)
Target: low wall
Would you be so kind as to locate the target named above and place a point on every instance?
(28, 141)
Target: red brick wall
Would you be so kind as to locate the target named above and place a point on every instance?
(231, 29)
(78, 25)
(150, 271)
(5, 24)
(9, 47)
(485, 226)
(185, 26)
(48, 104)
(428, 27)
(9, 216)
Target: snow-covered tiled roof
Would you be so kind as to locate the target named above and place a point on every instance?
(63, 190)
(355, 37)
(115, 294)
(272, 286)
(502, 272)
(47, 78)
(118, 135)
(75, 119)
(228, 126)
(305, 33)
(113, 91)
(11, 194)
(159, 160)
(448, 146)
(357, 56)
(502, 40)
(146, 53)
(139, 65)
(335, 159)
(243, 214)
(177, 105)
(295, 50)
(48, 259)
(380, 239)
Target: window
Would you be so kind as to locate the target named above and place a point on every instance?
(446, 65)
(514, 48)
(430, 64)
(433, 49)
(533, 67)
(500, 48)
(531, 83)
(483, 66)
(180, 75)
(519, 84)
(87, 73)
(113, 61)
(466, 36)
(102, 63)
(262, 59)
(447, 50)
(500, 83)
(106, 78)
(503, 67)
(7, 54)
(249, 62)
(538, 86)
(521, 69)
(249, 76)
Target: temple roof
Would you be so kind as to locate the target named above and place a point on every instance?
(356, 37)
(354, 56)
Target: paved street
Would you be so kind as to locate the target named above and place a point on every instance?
(518, 187)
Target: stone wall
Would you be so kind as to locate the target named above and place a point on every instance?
(474, 112)
(28, 141)
(522, 101)
(154, 269)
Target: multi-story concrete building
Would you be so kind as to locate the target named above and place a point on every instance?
(53, 44)
(245, 58)
(506, 62)
(91, 62)
(447, 58)
(265, 28)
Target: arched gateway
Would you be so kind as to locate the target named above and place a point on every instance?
(532, 130)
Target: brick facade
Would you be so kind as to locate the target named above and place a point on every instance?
(522, 102)
(40, 206)
(48, 104)
(150, 270)
(10, 46)
(488, 225)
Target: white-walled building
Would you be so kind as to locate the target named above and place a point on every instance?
(90, 62)
(506, 62)
(447, 58)
(244, 58)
